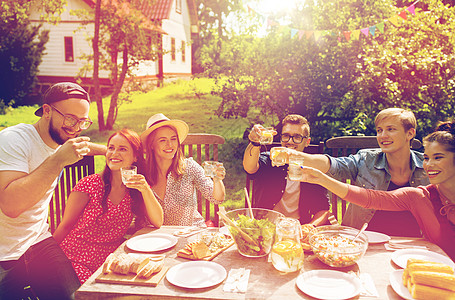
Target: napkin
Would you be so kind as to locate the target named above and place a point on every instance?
(188, 231)
(368, 289)
(237, 281)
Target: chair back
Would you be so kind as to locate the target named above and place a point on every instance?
(70, 175)
(312, 149)
(203, 147)
(344, 146)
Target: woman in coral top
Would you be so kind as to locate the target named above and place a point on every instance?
(433, 206)
(100, 208)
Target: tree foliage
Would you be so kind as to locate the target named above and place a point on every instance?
(21, 48)
(126, 38)
(338, 85)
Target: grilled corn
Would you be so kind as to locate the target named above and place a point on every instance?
(435, 279)
(423, 292)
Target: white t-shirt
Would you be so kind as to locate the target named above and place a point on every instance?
(289, 203)
(22, 149)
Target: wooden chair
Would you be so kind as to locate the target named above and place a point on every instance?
(203, 147)
(346, 145)
(68, 178)
(312, 149)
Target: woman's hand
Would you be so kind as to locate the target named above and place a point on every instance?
(311, 175)
(138, 182)
(220, 172)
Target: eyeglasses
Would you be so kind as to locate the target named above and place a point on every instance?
(296, 138)
(71, 121)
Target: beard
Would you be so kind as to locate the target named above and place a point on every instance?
(55, 135)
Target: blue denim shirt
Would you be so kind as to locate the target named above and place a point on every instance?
(368, 168)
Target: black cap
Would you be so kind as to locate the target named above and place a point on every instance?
(62, 91)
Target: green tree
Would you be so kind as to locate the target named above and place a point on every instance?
(21, 48)
(338, 85)
(125, 39)
(214, 33)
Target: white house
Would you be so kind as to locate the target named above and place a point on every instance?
(68, 43)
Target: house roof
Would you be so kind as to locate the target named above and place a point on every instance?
(158, 10)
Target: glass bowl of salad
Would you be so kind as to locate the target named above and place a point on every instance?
(261, 230)
(333, 245)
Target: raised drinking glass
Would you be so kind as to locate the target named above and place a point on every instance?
(127, 172)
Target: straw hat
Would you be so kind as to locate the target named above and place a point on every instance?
(160, 120)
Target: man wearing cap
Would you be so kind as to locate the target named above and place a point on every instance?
(31, 159)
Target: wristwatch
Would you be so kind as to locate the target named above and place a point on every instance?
(255, 144)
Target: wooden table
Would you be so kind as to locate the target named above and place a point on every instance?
(264, 283)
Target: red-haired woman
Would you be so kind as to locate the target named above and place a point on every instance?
(100, 208)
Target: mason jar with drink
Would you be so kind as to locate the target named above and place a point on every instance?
(287, 253)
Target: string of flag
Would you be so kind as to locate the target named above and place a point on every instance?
(396, 20)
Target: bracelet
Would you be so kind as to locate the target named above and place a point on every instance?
(255, 144)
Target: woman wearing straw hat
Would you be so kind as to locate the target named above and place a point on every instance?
(173, 177)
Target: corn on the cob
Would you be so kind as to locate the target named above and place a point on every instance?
(405, 277)
(431, 267)
(423, 292)
(435, 279)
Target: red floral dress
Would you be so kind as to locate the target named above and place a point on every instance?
(96, 235)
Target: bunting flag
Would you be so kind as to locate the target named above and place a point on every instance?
(395, 20)
(372, 30)
(403, 15)
(380, 26)
(293, 32)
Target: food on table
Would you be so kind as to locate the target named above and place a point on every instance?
(261, 231)
(307, 229)
(209, 244)
(144, 266)
(287, 255)
(334, 245)
(429, 280)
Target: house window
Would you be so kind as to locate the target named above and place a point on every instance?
(178, 6)
(173, 49)
(183, 51)
(69, 52)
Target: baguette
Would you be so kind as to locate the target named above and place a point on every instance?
(138, 263)
(434, 279)
(150, 268)
(107, 264)
(424, 292)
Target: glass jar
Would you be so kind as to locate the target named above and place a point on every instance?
(287, 253)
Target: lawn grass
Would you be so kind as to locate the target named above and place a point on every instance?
(190, 101)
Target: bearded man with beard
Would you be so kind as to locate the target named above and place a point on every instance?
(272, 189)
(31, 158)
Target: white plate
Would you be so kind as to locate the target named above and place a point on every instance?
(151, 242)
(376, 237)
(196, 274)
(396, 282)
(329, 284)
(400, 257)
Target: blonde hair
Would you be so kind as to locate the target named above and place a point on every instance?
(406, 117)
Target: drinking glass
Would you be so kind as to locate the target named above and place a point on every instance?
(210, 167)
(294, 171)
(127, 172)
(279, 156)
(266, 137)
(287, 253)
